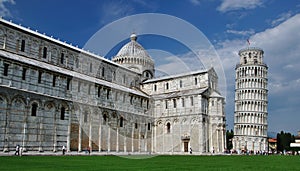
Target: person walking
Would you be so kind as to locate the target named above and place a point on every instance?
(17, 153)
(63, 150)
(89, 150)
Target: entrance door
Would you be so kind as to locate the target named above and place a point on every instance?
(186, 146)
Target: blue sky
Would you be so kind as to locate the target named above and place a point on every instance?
(272, 25)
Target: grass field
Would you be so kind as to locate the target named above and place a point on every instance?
(40, 163)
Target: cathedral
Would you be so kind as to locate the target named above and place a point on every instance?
(54, 94)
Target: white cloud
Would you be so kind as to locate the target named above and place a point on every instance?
(281, 45)
(282, 48)
(195, 2)
(117, 9)
(114, 10)
(242, 32)
(282, 17)
(4, 12)
(229, 5)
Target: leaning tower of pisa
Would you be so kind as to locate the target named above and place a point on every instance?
(251, 100)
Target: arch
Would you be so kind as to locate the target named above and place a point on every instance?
(86, 112)
(62, 113)
(168, 127)
(34, 108)
(105, 117)
(159, 122)
(85, 116)
(4, 99)
(121, 121)
(49, 105)
(20, 98)
(18, 101)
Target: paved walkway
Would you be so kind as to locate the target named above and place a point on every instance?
(73, 153)
(84, 153)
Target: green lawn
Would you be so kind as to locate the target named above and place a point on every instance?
(40, 163)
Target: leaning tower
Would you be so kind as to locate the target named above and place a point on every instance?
(251, 100)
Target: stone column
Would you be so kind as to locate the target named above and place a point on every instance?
(153, 132)
(108, 138)
(90, 132)
(6, 133)
(218, 143)
(146, 140)
(163, 144)
(26, 113)
(117, 144)
(125, 139)
(79, 132)
(4, 41)
(180, 133)
(69, 127)
(41, 136)
(206, 138)
(99, 135)
(132, 138)
(139, 141)
(223, 138)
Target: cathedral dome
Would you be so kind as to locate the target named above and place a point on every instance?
(133, 49)
(133, 56)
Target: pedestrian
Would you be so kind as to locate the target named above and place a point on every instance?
(63, 150)
(191, 151)
(89, 150)
(17, 150)
(21, 151)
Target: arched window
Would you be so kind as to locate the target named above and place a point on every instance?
(168, 127)
(174, 103)
(62, 58)
(45, 52)
(192, 101)
(166, 102)
(245, 60)
(104, 118)
(103, 72)
(149, 126)
(121, 122)
(62, 113)
(85, 117)
(34, 109)
(91, 67)
(23, 46)
(114, 75)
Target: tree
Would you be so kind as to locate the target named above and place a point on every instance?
(283, 141)
(229, 136)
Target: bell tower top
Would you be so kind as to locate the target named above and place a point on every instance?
(251, 56)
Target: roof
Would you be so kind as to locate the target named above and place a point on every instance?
(176, 76)
(272, 140)
(64, 44)
(70, 73)
(133, 49)
(251, 48)
(181, 93)
(216, 94)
